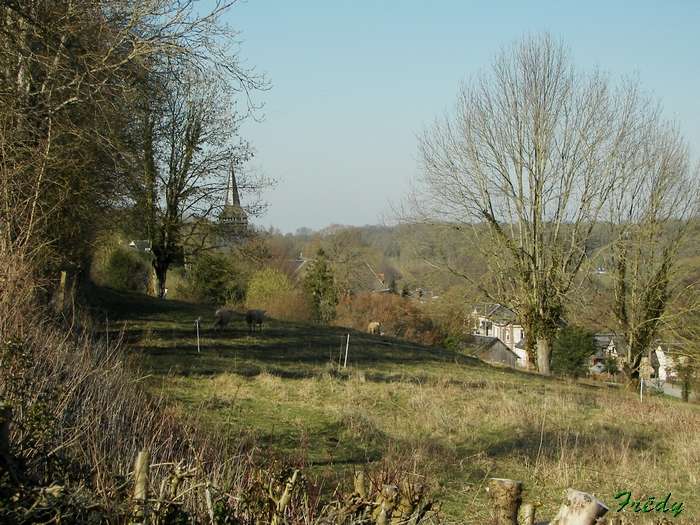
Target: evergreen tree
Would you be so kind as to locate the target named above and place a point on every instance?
(572, 350)
(320, 284)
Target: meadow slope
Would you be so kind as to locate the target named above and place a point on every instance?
(435, 415)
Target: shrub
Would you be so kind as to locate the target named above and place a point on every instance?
(214, 277)
(266, 285)
(289, 306)
(126, 270)
(572, 350)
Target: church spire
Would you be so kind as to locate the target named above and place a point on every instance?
(233, 219)
(232, 198)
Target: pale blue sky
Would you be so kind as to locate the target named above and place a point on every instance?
(353, 82)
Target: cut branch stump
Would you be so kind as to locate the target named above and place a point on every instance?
(360, 487)
(506, 496)
(140, 486)
(527, 512)
(579, 508)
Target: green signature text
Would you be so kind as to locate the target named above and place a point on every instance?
(625, 498)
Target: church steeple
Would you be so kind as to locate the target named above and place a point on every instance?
(232, 198)
(233, 220)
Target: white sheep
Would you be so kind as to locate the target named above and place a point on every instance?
(253, 317)
(221, 318)
(374, 328)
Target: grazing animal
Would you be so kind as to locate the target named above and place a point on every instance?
(253, 317)
(374, 328)
(221, 319)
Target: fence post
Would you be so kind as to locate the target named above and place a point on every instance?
(347, 344)
(579, 508)
(196, 324)
(506, 497)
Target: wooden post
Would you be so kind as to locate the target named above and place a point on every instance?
(579, 508)
(140, 486)
(506, 497)
(347, 344)
(527, 512)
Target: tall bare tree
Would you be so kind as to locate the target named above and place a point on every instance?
(652, 215)
(523, 165)
(188, 132)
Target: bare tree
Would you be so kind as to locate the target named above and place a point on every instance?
(69, 69)
(523, 166)
(651, 217)
(348, 254)
(189, 144)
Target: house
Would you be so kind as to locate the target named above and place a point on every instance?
(668, 360)
(490, 349)
(660, 361)
(610, 346)
(141, 246)
(495, 320)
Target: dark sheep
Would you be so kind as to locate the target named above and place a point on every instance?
(253, 317)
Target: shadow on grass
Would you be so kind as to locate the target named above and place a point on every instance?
(164, 332)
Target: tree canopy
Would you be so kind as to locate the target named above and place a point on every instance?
(91, 92)
(533, 154)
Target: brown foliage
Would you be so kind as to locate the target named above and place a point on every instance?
(289, 306)
(400, 317)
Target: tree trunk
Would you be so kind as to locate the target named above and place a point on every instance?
(160, 269)
(544, 355)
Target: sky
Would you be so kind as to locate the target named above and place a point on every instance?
(354, 82)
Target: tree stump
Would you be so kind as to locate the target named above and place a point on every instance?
(579, 508)
(506, 497)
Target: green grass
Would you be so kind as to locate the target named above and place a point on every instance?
(434, 413)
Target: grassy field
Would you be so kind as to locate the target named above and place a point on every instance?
(438, 416)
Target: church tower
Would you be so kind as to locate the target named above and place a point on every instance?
(233, 220)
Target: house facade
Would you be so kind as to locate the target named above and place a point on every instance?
(495, 320)
(660, 362)
(610, 346)
(668, 360)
